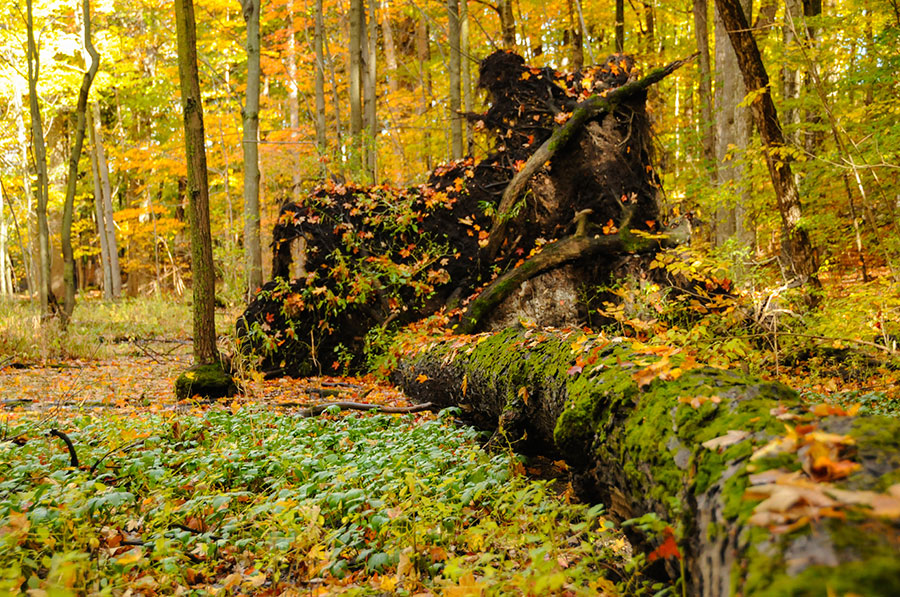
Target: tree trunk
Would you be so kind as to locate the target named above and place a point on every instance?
(5, 279)
(99, 215)
(466, 74)
(357, 25)
(109, 223)
(390, 49)
(645, 430)
(22, 138)
(250, 114)
(321, 134)
(40, 163)
(293, 100)
(370, 63)
(74, 158)
(456, 135)
(576, 37)
(620, 26)
(423, 54)
(704, 87)
(799, 251)
(507, 24)
(205, 352)
(732, 134)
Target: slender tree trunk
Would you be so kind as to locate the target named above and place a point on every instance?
(708, 132)
(109, 222)
(250, 113)
(370, 74)
(507, 24)
(198, 187)
(423, 54)
(620, 26)
(357, 27)
(40, 163)
(456, 135)
(30, 224)
(466, 71)
(99, 214)
(5, 281)
(390, 49)
(321, 133)
(733, 129)
(791, 78)
(293, 99)
(799, 250)
(74, 158)
(576, 37)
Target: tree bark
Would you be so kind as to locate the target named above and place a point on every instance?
(5, 277)
(40, 164)
(293, 99)
(507, 24)
(370, 62)
(321, 132)
(109, 222)
(99, 216)
(74, 158)
(620, 26)
(466, 73)
(30, 225)
(456, 136)
(644, 430)
(732, 133)
(205, 351)
(800, 254)
(357, 25)
(250, 114)
(704, 87)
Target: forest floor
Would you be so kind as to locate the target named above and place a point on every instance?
(247, 496)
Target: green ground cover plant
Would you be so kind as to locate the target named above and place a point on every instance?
(243, 500)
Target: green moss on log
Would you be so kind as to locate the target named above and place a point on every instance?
(638, 447)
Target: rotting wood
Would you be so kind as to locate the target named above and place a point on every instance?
(644, 430)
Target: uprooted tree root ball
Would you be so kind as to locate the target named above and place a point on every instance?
(380, 257)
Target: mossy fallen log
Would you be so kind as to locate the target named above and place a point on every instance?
(767, 497)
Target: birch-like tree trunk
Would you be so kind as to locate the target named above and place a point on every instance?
(74, 158)
(198, 186)
(40, 163)
(250, 114)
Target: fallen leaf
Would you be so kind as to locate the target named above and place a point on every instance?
(732, 436)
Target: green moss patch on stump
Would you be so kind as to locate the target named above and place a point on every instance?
(206, 381)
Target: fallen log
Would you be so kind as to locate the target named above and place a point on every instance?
(765, 496)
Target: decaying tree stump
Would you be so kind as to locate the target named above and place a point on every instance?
(765, 497)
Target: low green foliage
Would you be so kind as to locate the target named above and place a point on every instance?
(254, 501)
